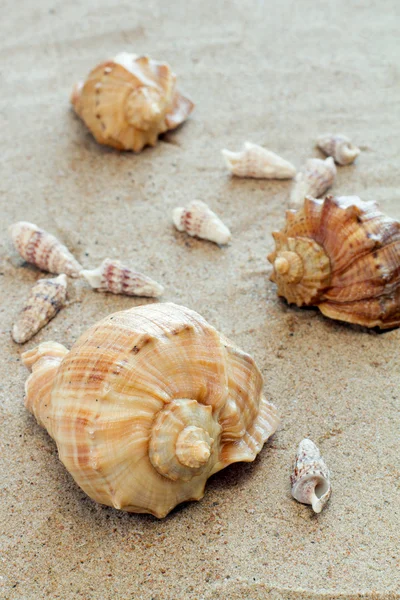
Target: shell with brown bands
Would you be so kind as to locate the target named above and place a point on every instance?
(342, 255)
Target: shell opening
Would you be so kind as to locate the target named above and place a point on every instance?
(319, 497)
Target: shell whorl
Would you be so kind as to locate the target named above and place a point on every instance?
(149, 403)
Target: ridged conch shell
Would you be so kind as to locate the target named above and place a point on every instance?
(42, 249)
(342, 255)
(339, 147)
(198, 220)
(129, 101)
(147, 405)
(310, 478)
(260, 163)
(316, 177)
(46, 298)
(115, 277)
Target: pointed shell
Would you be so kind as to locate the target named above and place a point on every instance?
(42, 249)
(197, 219)
(129, 101)
(147, 405)
(115, 277)
(255, 161)
(342, 255)
(339, 147)
(310, 479)
(314, 180)
(45, 300)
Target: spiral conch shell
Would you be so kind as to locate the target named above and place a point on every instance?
(342, 255)
(129, 101)
(45, 300)
(314, 180)
(259, 163)
(42, 249)
(198, 220)
(339, 147)
(147, 405)
(310, 479)
(115, 277)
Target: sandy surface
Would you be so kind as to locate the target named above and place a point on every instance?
(277, 74)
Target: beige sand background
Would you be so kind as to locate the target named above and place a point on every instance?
(275, 73)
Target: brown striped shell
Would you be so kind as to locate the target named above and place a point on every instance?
(129, 101)
(342, 255)
(115, 277)
(147, 405)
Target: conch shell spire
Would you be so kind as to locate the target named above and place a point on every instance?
(310, 478)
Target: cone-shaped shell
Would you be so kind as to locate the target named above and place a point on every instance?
(147, 405)
(198, 220)
(129, 101)
(115, 277)
(342, 255)
(313, 180)
(260, 163)
(339, 147)
(310, 479)
(42, 249)
(45, 300)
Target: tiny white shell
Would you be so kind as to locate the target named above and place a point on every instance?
(310, 478)
(339, 147)
(115, 277)
(46, 298)
(259, 163)
(197, 219)
(317, 176)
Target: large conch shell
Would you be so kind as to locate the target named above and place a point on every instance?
(342, 255)
(147, 405)
(310, 479)
(258, 162)
(129, 101)
(316, 177)
(42, 249)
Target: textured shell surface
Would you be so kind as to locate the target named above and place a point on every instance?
(198, 220)
(115, 277)
(147, 405)
(339, 147)
(342, 255)
(314, 180)
(310, 479)
(42, 249)
(46, 298)
(258, 162)
(129, 101)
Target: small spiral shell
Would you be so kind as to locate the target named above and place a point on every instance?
(147, 405)
(310, 479)
(339, 147)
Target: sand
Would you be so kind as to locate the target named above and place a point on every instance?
(278, 74)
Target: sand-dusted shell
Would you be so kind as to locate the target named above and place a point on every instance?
(129, 101)
(260, 163)
(339, 147)
(342, 255)
(147, 405)
(115, 277)
(45, 300)
(198, 220)
(42, 249)
(314, 180)
(310, 479)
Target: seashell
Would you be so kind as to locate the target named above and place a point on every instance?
(317, 176)
(115, 277)
(310, 478)
(147, 405)
(42, 249)
(45, 300)
(342, 255)
(198, 220)
(129, 101)
(339, 147)
(260, 163)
